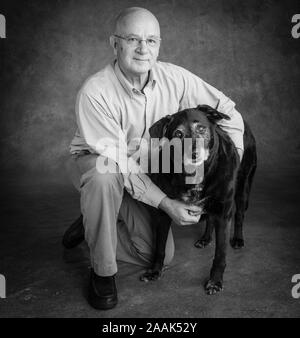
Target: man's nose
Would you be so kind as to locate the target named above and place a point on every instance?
(143, 47)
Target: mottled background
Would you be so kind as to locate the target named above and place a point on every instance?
(243, 48)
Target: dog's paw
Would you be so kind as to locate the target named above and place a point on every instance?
(151, 275)
(202, 243)
(237, 243)
(212, 287)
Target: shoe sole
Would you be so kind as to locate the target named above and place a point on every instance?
(98, 306)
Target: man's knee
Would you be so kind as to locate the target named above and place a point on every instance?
(104, 181)
(104, 174)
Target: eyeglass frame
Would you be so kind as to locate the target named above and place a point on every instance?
(156, 39)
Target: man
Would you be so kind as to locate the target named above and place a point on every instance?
(120, 103)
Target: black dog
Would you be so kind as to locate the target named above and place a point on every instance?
(224, 191)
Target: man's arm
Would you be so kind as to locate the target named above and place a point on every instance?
(104, 135)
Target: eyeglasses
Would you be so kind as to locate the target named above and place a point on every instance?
(134, 41)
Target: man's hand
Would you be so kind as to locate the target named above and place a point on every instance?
(180, 212)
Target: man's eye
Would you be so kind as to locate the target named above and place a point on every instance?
(151, 42)
(132, 40)
(178, 133)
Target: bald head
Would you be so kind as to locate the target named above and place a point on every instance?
(135, 16)
(136, 43)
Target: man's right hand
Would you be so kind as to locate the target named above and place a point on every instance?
(180, 212)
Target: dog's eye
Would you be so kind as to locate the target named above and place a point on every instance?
(201, 129)
(178, 133)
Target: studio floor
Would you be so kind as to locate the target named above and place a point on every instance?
(45, 280)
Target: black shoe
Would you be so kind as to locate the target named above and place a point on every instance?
(74, 235)
(102, 292)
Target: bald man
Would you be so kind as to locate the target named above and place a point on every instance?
(119, 104)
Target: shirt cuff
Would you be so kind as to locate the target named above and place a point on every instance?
(153, 196)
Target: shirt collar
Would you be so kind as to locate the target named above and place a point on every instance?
(126, 84)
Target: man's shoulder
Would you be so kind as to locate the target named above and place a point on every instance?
(96, 83)
(167, 66)
(171, 70)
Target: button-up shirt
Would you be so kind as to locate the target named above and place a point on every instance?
(108, 106)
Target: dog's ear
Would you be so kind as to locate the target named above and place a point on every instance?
(212, 114)
(159, 128)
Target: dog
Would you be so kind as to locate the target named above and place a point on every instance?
(223, 192)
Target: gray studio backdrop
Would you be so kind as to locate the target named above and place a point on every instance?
(243, 48)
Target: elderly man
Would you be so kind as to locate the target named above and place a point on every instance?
(121, 102)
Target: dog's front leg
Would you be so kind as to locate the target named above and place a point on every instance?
(162, 225)
(215, 282)
(206, 239)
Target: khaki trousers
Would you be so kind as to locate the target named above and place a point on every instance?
(117, 227)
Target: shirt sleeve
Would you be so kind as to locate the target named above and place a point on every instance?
(197, 91)
(103, 133)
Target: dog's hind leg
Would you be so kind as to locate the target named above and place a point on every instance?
(206, 239)
(215, 282)
(242, 195)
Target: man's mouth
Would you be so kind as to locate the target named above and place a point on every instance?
(141, 60)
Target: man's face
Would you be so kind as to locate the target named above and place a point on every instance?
(137, 59)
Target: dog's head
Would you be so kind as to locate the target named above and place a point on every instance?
(194, 124)
(191, 133)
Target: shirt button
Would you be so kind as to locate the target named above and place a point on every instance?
(135, 91)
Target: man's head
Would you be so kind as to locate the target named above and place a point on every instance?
(136, 40)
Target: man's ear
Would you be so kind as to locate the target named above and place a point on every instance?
(113, 43)
(159, 128)
(212, 114)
